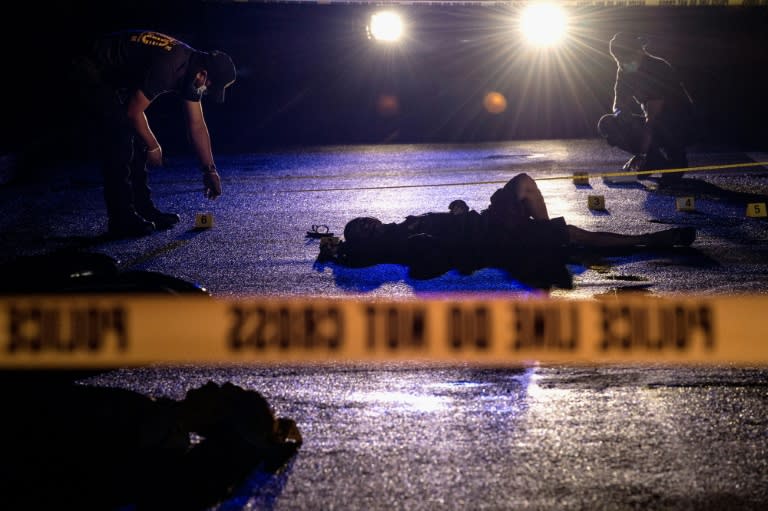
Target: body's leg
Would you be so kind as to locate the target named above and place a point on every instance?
(527, 193)
(679, 236)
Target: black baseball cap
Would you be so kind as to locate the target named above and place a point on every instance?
(221, 73)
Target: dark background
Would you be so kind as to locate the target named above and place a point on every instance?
(308, 74)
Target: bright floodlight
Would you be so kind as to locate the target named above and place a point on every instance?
(386, 26)
(543, 24)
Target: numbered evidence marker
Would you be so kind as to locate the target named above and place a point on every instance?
(685, 204)
(580, 178)
(756, 209)
(596, 202)
(203, 220)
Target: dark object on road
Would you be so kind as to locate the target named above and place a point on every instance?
(514, 233)
(77, 446)
(82, 272)
(319, 232)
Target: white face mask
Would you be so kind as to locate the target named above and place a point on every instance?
(201, 90)
(631, 67)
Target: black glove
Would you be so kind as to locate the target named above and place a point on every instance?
(211, 182)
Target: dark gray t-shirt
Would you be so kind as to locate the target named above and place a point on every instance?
(149, 61)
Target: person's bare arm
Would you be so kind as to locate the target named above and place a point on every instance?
(201, 141)
(135, 111)
(198, 132)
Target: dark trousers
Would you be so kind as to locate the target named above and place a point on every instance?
(123, 156)
(671, 136)
(124, 170)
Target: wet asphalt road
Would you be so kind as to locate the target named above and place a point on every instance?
(257, 245)
(407, 437)
(546, 438)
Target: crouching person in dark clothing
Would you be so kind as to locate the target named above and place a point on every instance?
(515, 233)
(653, 114)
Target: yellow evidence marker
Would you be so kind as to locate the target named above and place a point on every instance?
(203, 220)
(596, 202)
(685, 204)
(580, 178)
(756, 210)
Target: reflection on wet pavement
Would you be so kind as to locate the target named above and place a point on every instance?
(557, 437)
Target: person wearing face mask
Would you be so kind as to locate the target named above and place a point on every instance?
(653, 114)
(117, 78)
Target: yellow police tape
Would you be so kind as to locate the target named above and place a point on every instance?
(122, 331)
(584, 175)
(680, 170)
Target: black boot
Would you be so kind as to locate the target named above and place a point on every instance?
(142, 194)
(129, 225)
(124, 222)
(677, 159)
(162, 220)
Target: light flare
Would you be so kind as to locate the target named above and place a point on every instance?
(494, 102)
(543, 24)
(386, 26)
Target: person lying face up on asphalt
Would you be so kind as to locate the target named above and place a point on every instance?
(514, 229)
